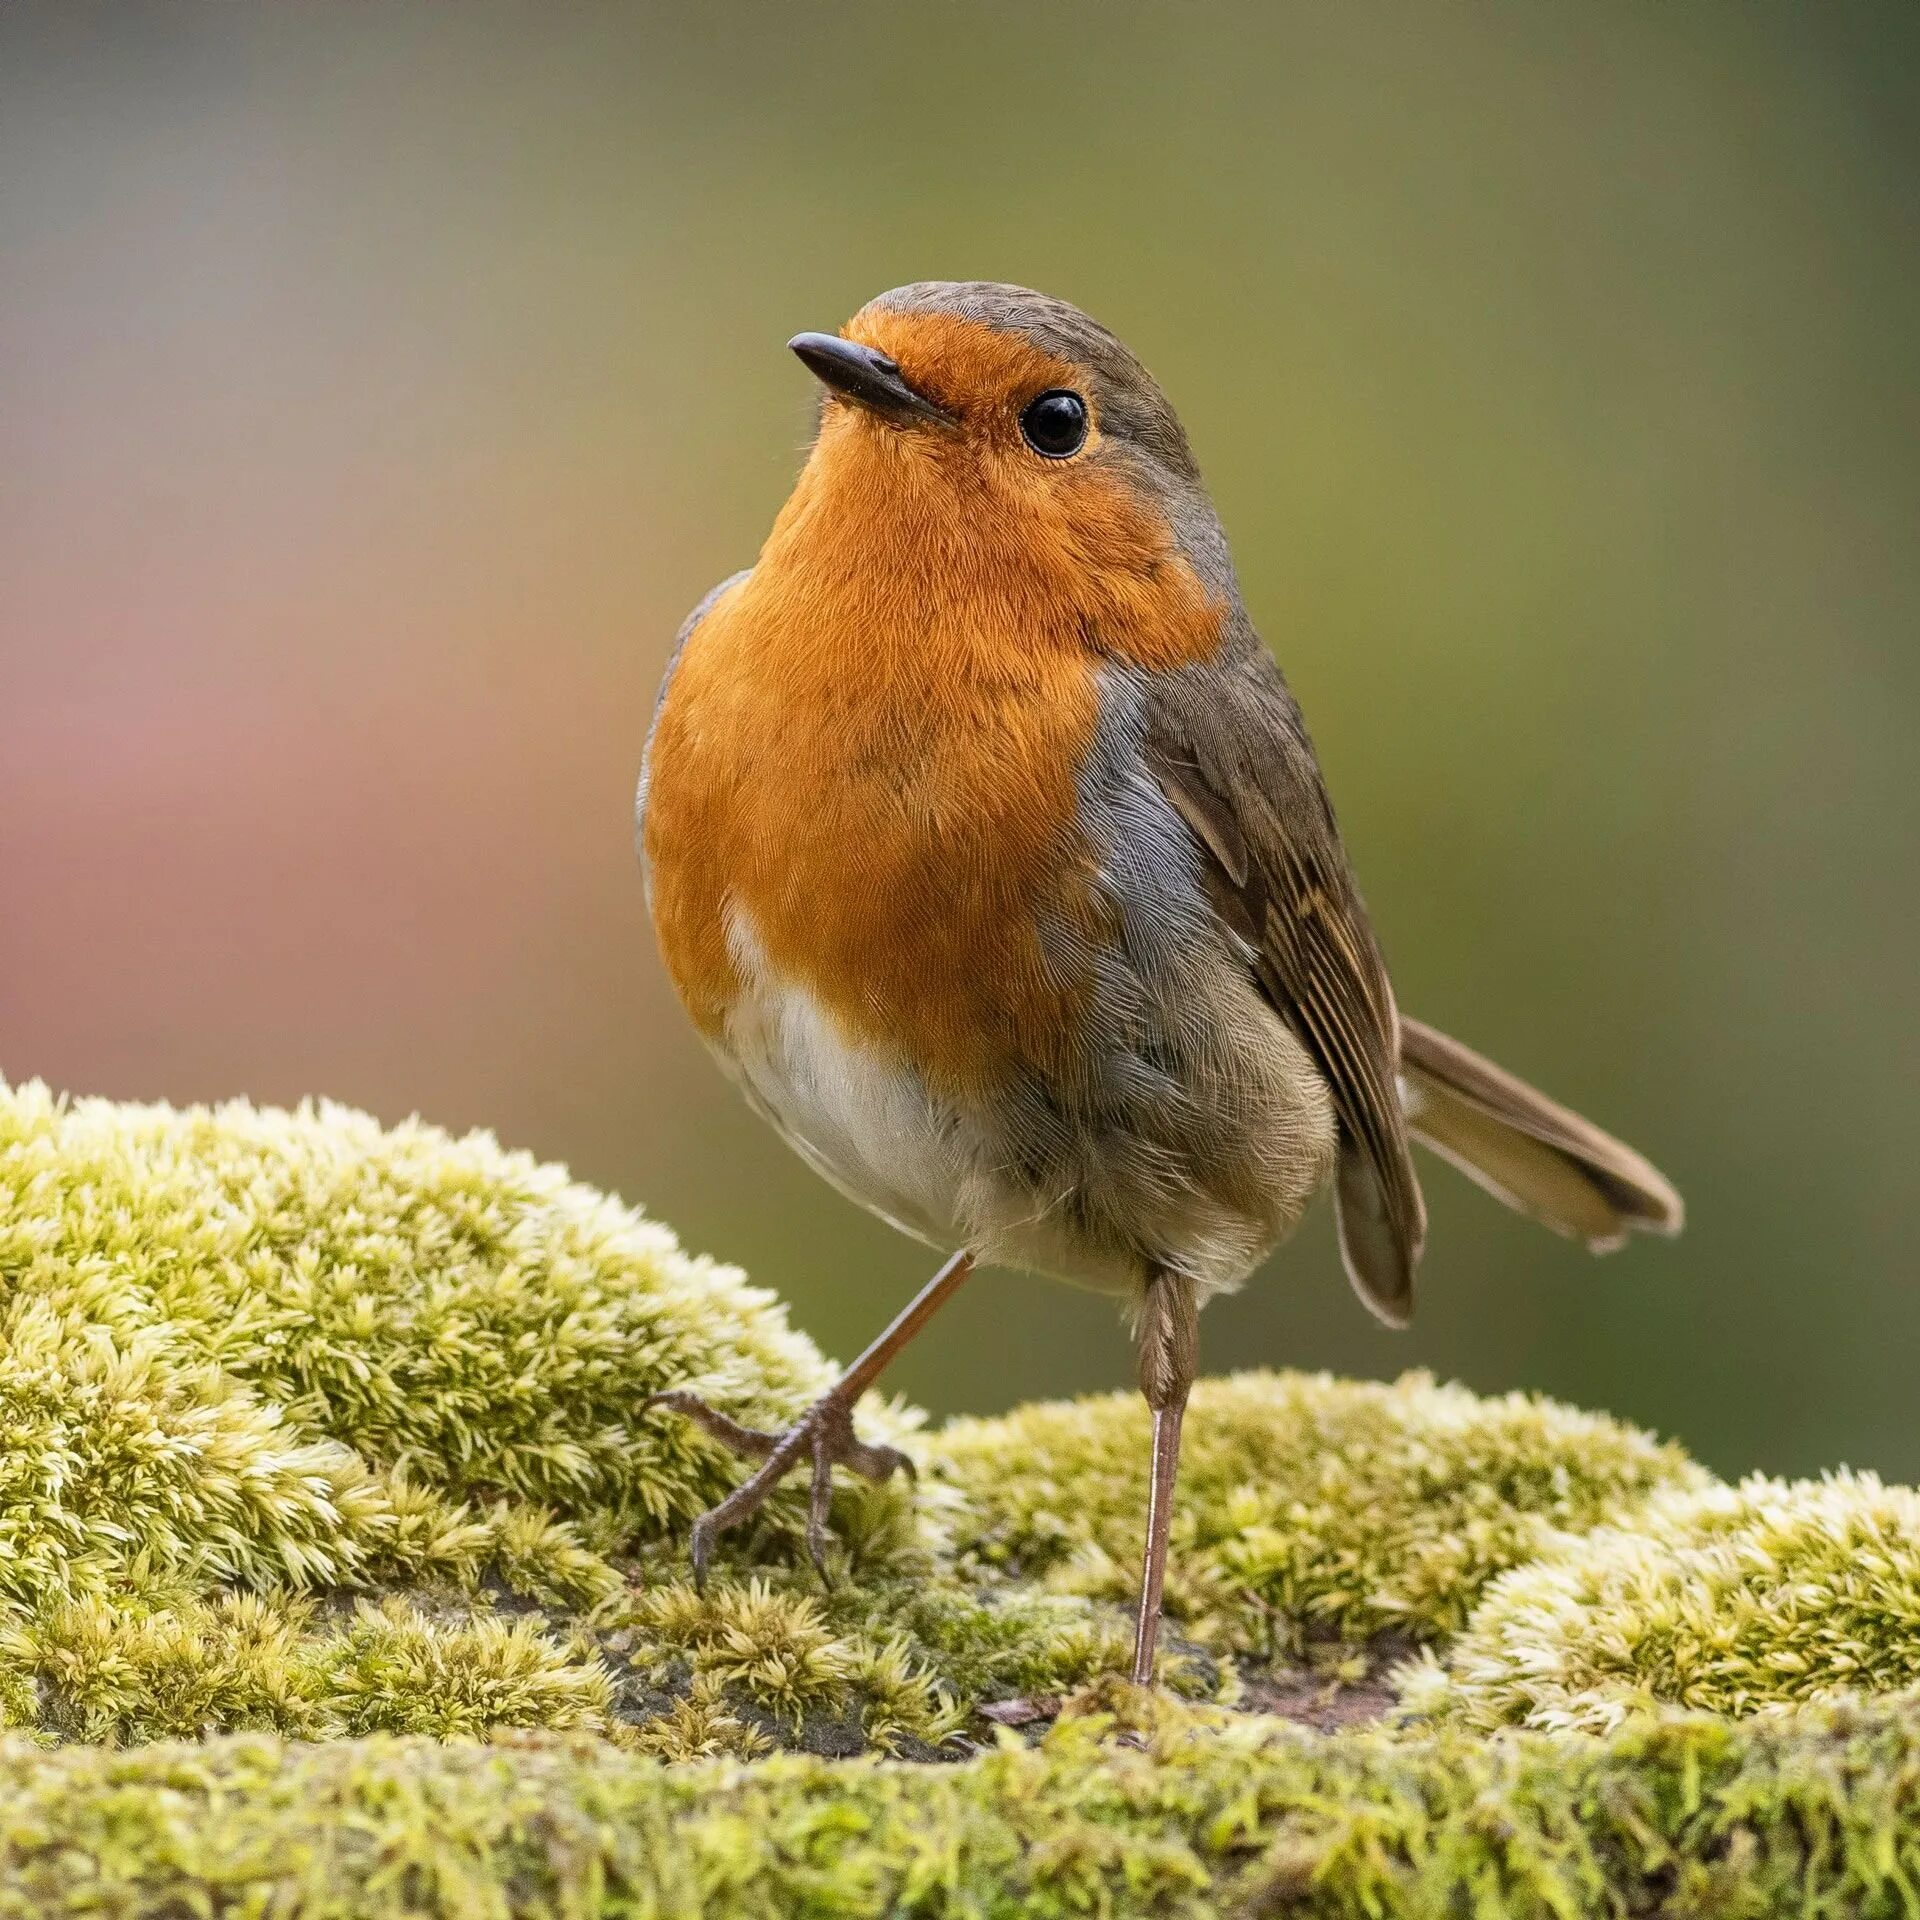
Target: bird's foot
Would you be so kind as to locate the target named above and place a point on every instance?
(824, 1433)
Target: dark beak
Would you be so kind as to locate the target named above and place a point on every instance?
(865, 376)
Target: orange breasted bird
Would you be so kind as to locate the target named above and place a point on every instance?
(987, 850)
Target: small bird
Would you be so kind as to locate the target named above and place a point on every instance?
(986, 848)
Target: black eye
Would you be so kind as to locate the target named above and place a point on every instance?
(1055, 424)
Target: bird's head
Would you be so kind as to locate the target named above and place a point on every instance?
(980, 436)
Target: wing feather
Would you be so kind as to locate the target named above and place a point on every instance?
(1232, 756)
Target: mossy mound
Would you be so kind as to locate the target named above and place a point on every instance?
(325, 1438)
(1310, 1508)
(1815, 1816)
(1730, 1600)
(320, 1429)
(294, 1346)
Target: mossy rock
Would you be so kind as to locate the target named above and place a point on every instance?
(341, 1572)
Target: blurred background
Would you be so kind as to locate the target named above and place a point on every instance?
(379, 386)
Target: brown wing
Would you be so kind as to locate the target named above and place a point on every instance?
(1232, 755)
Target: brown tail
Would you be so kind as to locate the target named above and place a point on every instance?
(1526, 1149)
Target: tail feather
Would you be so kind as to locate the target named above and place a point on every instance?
(1527, 1150)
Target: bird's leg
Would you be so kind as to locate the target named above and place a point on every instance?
(824, 1432)
(1168, 1341)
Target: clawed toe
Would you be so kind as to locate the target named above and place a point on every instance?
(873, 1461)
(819, 1498)
(825, 1432)
(749, 1442)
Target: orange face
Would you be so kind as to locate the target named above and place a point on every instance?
(1077, 548)
(869, 752)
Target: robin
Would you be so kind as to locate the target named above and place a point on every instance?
(986, 848)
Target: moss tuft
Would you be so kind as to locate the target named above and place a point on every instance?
(1728, 1599)
(1309, 1506)
(398, 1671)
(234, 1316)
(147, 1670)
(252, 1357)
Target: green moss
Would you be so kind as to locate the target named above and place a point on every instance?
(1308, 1506)
(1730, 1599)
(116, 1443)
(152, 1667)
(1815, 1815)
(126, 1671)
(992, 1640)
(399, 1671)
(438, 1307)
(253, 1358)
(285, 1354)
(899, 1665)
(314, 1435)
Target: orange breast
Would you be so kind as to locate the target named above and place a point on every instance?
(870, 749)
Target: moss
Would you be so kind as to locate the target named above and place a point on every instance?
(399, 1671)
(254, 1359)
(1309, 1506)
(1730, 1599)
(255, 1356)
(900, 1665)
(226, 1315)
(115, 1443)
(1815, 1815)
(154, 1667)
(320, 1463)
(125, 1671)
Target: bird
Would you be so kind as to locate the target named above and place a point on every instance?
(985, 846)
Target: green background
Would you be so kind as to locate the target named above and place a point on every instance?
(379, 385)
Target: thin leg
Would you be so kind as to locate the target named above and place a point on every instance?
(901, 1328)
(824, 1431)
(1169, 1352)
(1153, 1572)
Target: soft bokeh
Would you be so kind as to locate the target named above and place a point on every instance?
(379, 386)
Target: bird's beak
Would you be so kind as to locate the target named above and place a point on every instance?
(865, 376)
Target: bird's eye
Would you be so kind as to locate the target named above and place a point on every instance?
(1055, 424)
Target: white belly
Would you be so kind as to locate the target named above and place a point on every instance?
(856, 1118)
(950, 1175)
